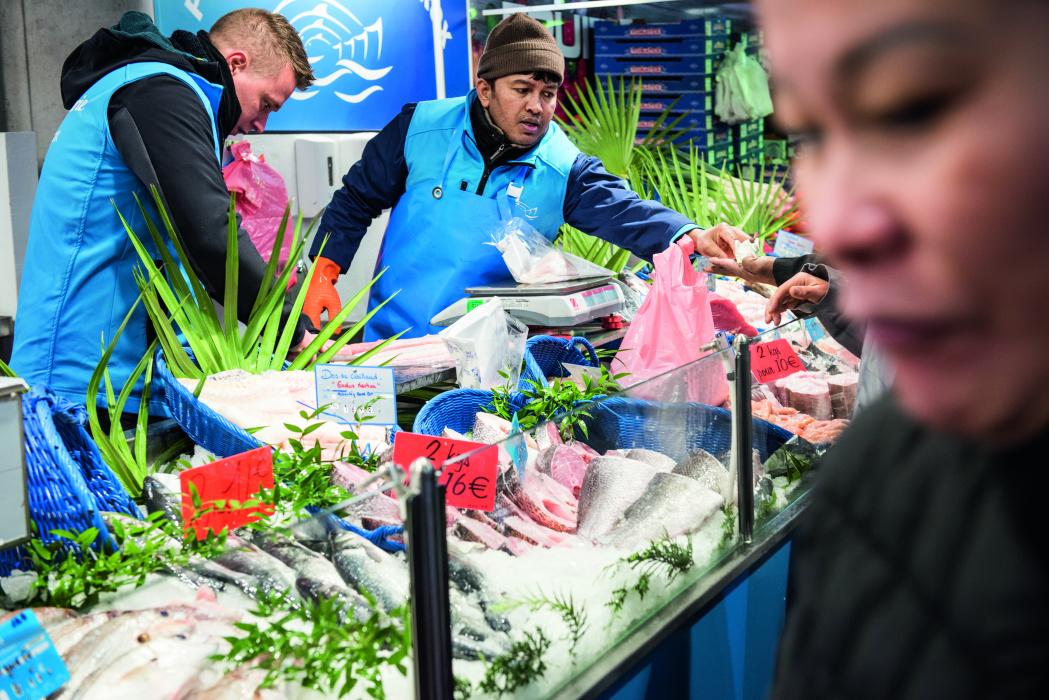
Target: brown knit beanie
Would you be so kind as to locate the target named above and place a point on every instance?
(520, 44)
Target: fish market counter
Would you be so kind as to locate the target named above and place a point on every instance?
(716, 639)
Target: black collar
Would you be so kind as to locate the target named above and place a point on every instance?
(214, 69)
(495, 148)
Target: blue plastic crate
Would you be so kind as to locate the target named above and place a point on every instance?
(691, 122)
(697, 68)
(657, 48)
(701, 85)
(696, 103)
(750, 145)
(714, 24)
(67, 482)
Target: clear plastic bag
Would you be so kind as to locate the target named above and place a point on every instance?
(261, 199)
(669, 329)
(486, 343)
(532, 259)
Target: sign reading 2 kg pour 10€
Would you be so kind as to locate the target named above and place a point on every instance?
(370, 57)
(358, 395)
(469, 481)
(773, 360)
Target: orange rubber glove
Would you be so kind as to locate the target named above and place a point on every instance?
(321, 294)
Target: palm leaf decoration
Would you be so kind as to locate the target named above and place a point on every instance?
(762, 206)
(178, 303)
(602, 121)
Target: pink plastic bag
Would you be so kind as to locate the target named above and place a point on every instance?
(261, 199)
(667, 332)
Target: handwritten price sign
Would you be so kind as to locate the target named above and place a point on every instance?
(227, 493)
(773, 360)
(469, 482)
(365, 395)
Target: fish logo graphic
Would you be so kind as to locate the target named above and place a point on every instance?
(346, 52)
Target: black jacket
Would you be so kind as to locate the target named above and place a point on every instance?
(163, 133)
(919, 569)
(846, 332)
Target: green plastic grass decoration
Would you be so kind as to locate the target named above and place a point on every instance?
(179, 303)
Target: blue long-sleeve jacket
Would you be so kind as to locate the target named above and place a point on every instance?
(596, 202)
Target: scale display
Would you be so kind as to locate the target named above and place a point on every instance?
(560, 305)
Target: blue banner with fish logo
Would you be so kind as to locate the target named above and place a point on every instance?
(370, 57)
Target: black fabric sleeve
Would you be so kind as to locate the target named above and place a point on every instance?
(373, 183)
(785, 268)
(842, 329)
(164, 135)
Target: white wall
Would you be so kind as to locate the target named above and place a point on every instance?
(314, 188)
(17, 188)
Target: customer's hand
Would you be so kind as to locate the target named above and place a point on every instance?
(802, 288)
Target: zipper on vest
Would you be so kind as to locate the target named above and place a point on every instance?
(488, 168)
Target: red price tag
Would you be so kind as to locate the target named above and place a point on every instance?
(773, 360)
(469, 483)
(227, 491)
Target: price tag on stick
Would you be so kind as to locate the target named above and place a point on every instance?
(469, 481)
(227, 492)
(30, 666)
(773, 360)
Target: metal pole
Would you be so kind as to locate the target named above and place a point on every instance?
(428, 564)
(744, 440)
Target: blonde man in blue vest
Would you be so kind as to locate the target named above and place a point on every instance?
(145, 109)
(453, 169)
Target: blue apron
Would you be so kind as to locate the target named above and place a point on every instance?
(77, 283)
(438, 241)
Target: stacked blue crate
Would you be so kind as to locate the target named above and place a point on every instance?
(675, 63)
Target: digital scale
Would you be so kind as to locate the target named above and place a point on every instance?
(553, 305)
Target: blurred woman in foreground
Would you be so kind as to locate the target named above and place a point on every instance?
(920, 570)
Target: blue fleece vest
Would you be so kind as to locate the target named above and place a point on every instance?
(438, 239)
(77, 282)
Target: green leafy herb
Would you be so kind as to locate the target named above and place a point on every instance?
(317, 646)
(574, 614)
(661, 556)
(728, 526)
(6, 371)
(518, 667)
(561, 399)
(73, 574)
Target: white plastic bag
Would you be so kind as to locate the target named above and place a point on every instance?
(485, 342)
(531, 258)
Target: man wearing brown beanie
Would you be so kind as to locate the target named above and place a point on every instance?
(454, 169)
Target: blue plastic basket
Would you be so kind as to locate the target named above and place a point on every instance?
(675, 429)
(456, 409)
(67, 482)
(203, 425)
(548, 356)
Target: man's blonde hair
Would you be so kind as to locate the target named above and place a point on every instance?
(272, 40)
